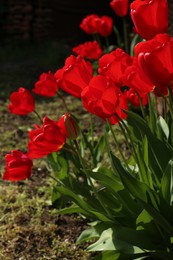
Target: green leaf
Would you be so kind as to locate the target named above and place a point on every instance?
(108, 255)
(159, 153)
(117, 255)
(98, 151)
(138, 238)
(158, 217)
(138, 189)
(58, 199)
(89, 211)
(68, 210)
(92, 232)
(149, 224)
(113, 183)
(109, 241)
(163, 126)
(167, 183)
(143, 163)
(59, 165)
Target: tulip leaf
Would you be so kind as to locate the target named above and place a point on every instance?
(159, 153)
(167, 183)
(117, 255)
(159, 219)
(113, 183)
(92, 232)
(108, 240)
(68, 210)
(138, 189)
(89, 211)
(59, 165)
(146, 222)
(163, 125)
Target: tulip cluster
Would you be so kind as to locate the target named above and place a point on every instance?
(129, 199)
(121, 79)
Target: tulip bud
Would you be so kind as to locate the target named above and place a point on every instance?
(72, 129)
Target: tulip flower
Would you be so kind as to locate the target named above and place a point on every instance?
(114, 65)
(46, 85)
(135, 78)
(46, 139)
(18, 166)
(149, 17)
(88, 24)
(135, 98)
(92, 24)
(101, 97)
(104, 25)
(74, 76)
(71, 127)
(120, 7)
(22, 102)
(90, 50)
(155, 57)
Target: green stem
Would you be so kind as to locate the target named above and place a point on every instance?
(107, 43)
(97, 38)
(142, 107)
(90, 181)
(118, 146)
(119, 40)
(91, 129)
(133, 149)
(171, 102)
(63, 101)
(126, 45)
(152, 116)
(38, 116)
(57, 180)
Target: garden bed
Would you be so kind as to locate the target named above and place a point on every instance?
(28, 227)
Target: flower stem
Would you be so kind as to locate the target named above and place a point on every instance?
(63, 101)
(117, 144)
(126, 45)
(38, 116)
(90, 181)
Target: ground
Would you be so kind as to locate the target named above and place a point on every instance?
(29, 229)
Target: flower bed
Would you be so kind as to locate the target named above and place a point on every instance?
(127, 200)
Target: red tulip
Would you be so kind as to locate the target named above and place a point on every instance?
(88, 24)
(101, 97)
(46, 139)
(135, 78)
(90, 50)
(71, 126)
(155, 57)
(46, 85)
(74, 76)
(104, 25)
(22, 102)
(120, 7)
(150, 17)
(134, 99)
(92, 24)
(18, 166)
(114, 65)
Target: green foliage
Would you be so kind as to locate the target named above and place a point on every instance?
(130, 203)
